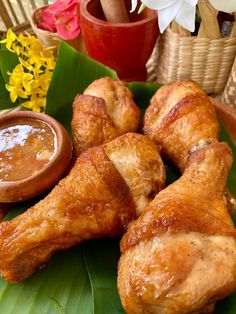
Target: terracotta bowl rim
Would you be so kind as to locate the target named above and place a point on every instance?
(63, 143)
(85, 13)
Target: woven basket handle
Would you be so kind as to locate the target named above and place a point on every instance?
(209, 26)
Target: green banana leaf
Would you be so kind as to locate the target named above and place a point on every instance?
(103, 274)
(5, 101)
(62, 287)
(8, 61)
(82, 279)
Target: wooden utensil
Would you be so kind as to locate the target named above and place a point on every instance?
(115, 11)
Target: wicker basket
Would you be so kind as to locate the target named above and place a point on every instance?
(206, 58)
(229, 94)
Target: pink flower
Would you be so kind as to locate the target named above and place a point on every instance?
(47, 27)
(66, 32)
(47, 21)
(62, 17)
(63, 5)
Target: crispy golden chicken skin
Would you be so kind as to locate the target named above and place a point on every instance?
(179, 256)
(138, 161)
(105, 111)
(179, 115)
(95, 200)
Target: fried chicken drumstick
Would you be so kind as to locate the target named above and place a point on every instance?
(180, 115)
(108, 186)
(105, 111)
(179, 256)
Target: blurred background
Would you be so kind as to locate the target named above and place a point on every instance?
(16, 13)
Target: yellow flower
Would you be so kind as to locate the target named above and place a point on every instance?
(18, 83)
(50, 64)
(24, 40)
(47, 53)
(31, 78)
(9, 40)
(35, 103)
(26, 64)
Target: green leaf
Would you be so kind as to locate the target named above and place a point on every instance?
(103, 275)
(5, 101)
(73, 73)
(227, 306)
(142, 94)
(62, 287)
(8, 61)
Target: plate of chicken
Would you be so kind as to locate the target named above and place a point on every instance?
(177, 239)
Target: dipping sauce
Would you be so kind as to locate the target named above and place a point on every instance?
(26, 146)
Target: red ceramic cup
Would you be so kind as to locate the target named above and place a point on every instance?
(124, 47)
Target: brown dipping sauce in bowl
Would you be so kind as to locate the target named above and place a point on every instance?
(35, 151)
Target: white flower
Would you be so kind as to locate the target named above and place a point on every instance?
(182, 11)
(228, 6)
(134, 5)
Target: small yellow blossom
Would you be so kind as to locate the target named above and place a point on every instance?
(9, 40)
(35, 104)
(16, 82)
(31, 78)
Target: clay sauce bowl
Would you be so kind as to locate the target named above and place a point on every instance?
(49, 174)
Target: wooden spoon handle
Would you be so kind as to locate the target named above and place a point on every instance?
(115, 11)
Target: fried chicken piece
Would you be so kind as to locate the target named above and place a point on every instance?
(91, 125)
(180, 115)
(95, 200)
(105, 111)
(179, 256)
(138, 161)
